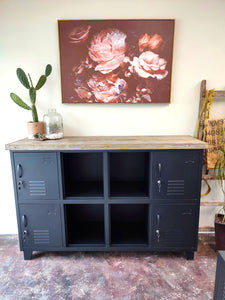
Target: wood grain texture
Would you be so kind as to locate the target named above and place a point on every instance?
(219, 94)
(109, 143)
(211, 203)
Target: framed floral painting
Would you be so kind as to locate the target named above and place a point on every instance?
(116, 61)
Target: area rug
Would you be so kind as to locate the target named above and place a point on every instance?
(106, 276)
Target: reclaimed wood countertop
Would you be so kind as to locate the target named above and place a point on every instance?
(109, 143)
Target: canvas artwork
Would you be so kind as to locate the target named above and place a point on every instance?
(116, 61)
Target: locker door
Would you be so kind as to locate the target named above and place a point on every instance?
(176, 174)
(174, 226)
(36, 176)
(40, 225)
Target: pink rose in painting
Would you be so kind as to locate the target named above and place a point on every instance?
(83, 92)
(106, 89)
(153, 42)
(108, 49)
(150, 64)
(156, 42)
(143, 42)
(79, 34)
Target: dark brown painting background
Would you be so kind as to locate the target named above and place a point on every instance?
(72, 54)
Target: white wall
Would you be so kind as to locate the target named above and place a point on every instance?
(29, 39)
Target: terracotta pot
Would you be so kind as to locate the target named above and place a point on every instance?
(219, 234)
(33, 128)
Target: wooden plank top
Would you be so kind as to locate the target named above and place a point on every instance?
(109, 143)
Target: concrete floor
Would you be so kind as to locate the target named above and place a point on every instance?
(106, 276)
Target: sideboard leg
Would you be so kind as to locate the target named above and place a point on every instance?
(27, 254)
(190, 255)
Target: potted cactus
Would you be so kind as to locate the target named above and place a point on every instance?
(35, 128)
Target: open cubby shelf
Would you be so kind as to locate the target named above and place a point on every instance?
(129, 223)
(128, 189)
(85, 224)
(83, 174)
(128, 174)
(129, 233)
(85, 189)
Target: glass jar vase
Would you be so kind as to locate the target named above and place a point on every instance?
(53, 125)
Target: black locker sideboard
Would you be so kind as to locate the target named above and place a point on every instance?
(108, 193)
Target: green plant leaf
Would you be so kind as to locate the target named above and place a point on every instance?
(22, 78)
(32, 93)
(222, 149)
(219, 173)
(48, 70)
(41, 82)
(34, 113)
(222, 172)
(19, 101)
(216, 166)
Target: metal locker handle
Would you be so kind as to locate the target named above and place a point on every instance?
(157, 227)
(159, 182)
(24, 220)
(158, 220)
(160, 169)
(19, 170)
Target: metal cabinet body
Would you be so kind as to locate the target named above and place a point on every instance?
(76, 200)
(219, 289)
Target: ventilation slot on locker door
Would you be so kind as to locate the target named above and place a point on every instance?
(175, 188)
(37, 188)
(175, 237)
(41, 237)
